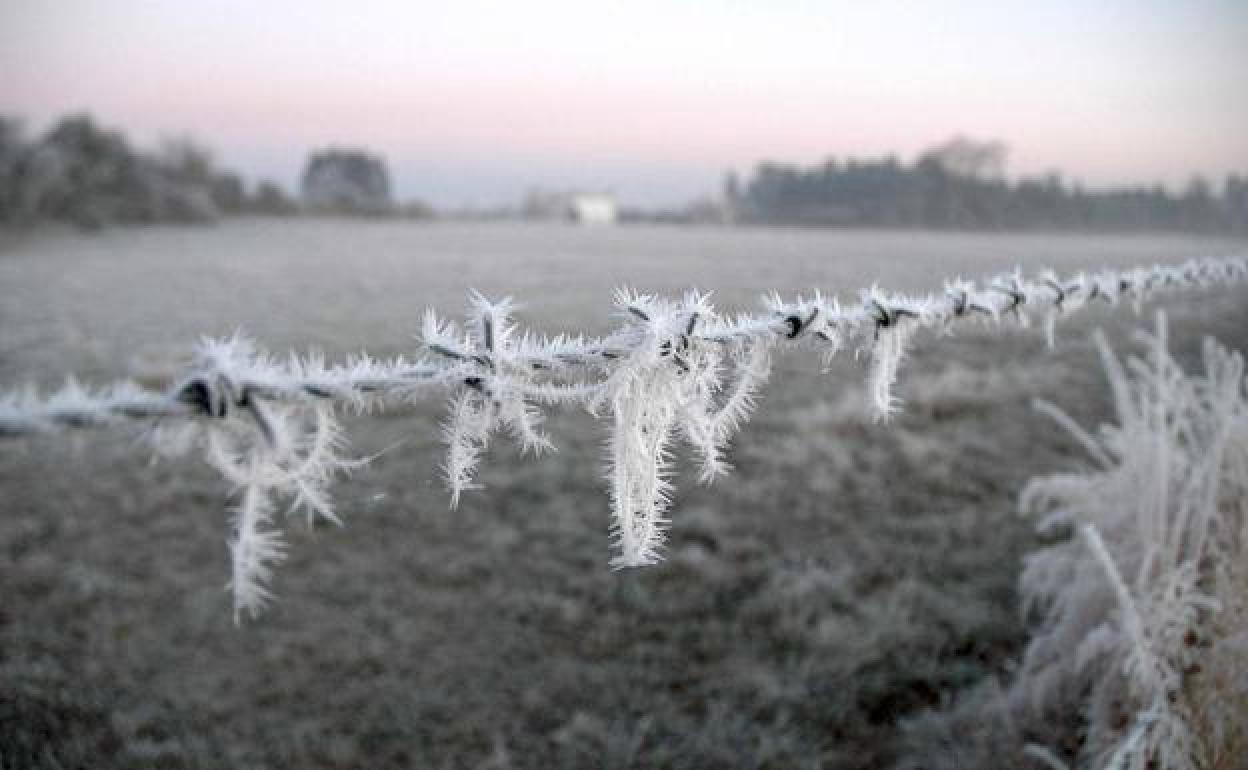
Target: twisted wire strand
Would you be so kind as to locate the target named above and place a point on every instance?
(674, 368)
(220, 383)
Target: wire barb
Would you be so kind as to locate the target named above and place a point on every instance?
(674, 368)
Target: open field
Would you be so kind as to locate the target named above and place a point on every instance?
(848, 575)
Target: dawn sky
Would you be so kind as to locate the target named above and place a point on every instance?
(473, 102)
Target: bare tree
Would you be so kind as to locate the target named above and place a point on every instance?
(972, 158)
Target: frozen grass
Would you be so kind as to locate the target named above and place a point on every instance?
(1151, 592)
(845, 576)
(1138, 652)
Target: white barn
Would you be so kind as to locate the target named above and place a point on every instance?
(592, 209)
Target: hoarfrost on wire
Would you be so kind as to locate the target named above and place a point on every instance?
(675, 371)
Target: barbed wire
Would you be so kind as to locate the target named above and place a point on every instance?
(673, 367)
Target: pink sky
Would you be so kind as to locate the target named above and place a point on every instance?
(473, 102)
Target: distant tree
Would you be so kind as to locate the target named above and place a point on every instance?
(731, 190)
(961, 184)
(184, 160)
(271, 200)
(1200, 209)
(88, 175)
(192, 165)
(966, 157)
(416, 209)
(228, 193)
(82, 173)
(189, 173)
(730, 197)
(346, 181)
(1235, 201)
(12, 149)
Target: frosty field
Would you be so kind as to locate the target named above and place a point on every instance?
(846, 577)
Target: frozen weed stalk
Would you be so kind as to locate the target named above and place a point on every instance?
(1143, 612)
(673, 371)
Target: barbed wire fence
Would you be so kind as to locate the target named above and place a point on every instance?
(675, 368)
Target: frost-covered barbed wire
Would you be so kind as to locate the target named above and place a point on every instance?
(674, 368)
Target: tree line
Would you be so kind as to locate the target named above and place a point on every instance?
(81, 173)
(87, 175)
(961, 184)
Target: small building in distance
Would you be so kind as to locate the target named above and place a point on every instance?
(569, 206)
(592, 209)
(346, 181)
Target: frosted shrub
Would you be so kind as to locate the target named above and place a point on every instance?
(1143, 611)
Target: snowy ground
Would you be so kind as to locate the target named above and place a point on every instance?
(847, 576)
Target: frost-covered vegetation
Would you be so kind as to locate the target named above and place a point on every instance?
(1151, 593)
(1138, 656)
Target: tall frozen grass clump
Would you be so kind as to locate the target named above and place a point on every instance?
(1142, 611)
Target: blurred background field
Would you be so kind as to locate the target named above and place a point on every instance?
(847, 577)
